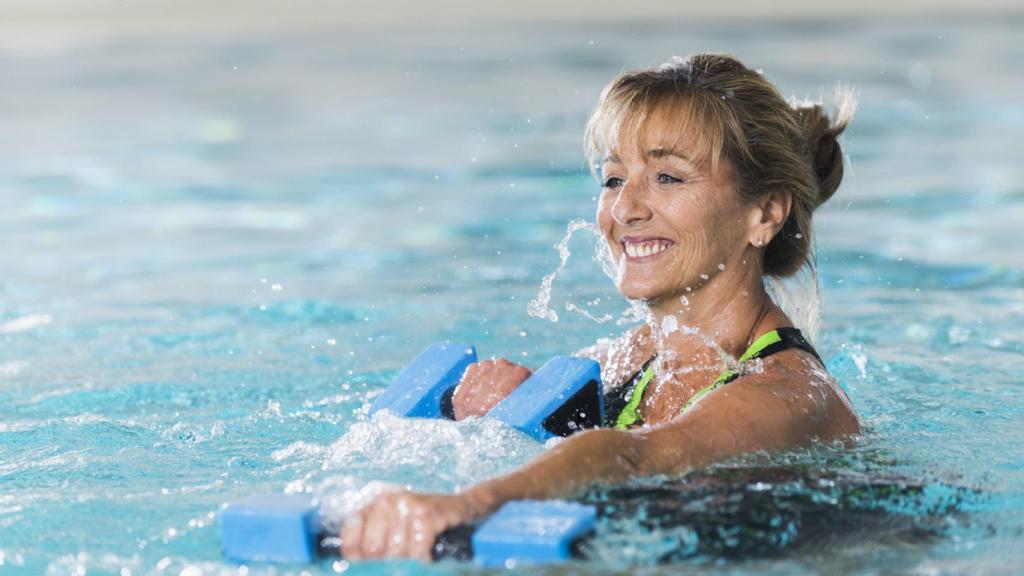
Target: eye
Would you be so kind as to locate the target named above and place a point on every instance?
(613, 182)
(668, 179)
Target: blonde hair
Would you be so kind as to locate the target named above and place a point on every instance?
(734, 112)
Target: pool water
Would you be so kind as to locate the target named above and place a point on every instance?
(218, 249)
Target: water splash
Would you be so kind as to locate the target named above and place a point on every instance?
(634, 313)
(570, 307)
(637, 312)
(669, 324)
(539, 307)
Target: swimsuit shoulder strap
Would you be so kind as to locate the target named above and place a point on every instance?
(767, 344)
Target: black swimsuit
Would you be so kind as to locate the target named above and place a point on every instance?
(622, 404)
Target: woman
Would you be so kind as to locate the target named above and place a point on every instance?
(709, 182)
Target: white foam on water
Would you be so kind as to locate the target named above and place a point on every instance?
(444, 450)
(25, 323)
(389, 453)
(344, 495)
(12, 368)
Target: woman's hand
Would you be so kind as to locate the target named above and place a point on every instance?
(404, 524)
(485, 384)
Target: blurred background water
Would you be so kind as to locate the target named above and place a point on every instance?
(222, 235)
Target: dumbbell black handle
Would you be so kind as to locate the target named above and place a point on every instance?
(452, 544)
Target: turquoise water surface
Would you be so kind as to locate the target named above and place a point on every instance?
(217, 250)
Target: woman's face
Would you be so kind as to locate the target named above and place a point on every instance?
(671, 224)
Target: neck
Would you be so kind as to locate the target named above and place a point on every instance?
(725, 310)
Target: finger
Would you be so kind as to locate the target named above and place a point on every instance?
(413, 532)
(398, 518)
(351, 536)
(421, 540)
(375, 530)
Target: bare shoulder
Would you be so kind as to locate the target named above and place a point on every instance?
(796, 378)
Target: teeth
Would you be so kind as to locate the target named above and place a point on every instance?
(644, 249)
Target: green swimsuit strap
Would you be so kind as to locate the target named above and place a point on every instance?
(630, 414)
(728, 375)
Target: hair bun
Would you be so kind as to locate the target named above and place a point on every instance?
(823, 139)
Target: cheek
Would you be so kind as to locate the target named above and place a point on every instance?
(604, 216)
(704, 228)
(693, 218)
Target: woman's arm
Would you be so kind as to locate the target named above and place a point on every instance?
(754, 413)
(757, 412)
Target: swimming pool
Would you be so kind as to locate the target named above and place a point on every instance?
(216, 252)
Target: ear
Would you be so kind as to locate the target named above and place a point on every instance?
(768, 215)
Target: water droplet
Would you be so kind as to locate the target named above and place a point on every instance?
(669, 324)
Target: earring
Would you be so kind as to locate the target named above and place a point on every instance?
(759, 242)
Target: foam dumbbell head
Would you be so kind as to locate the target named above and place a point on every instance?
(270, 528)
(531, 532)
(422, 387)
(562, 397)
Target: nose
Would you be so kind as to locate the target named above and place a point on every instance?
(630, 206)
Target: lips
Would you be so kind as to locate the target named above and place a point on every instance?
(644, 248)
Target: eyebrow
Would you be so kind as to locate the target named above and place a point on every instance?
(663, 152)
(654, 153)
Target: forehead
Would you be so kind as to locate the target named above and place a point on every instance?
(645, 131)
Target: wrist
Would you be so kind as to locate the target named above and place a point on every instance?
(481, 499)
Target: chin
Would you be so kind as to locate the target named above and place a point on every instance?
(637, 290)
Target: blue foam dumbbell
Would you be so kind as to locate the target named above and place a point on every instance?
(564, 396)
(286, 528)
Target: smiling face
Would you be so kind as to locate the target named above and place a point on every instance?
(672, 222)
